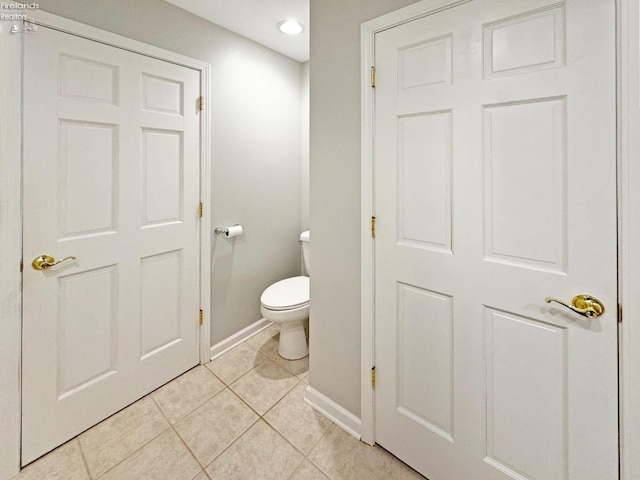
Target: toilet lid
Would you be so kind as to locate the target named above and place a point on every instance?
(286, 294)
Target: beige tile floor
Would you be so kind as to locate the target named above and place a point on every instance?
(241, 416)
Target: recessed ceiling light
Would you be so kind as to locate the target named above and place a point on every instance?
(290, 27)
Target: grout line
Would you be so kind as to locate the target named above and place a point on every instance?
(303, 456)
(245, 402)
(280, 398)
(298, 382)
(133, 453)
(194, 408)
(262, 417)
(312, 448)
(264, 358)
(222, 452)
(326, 432)
(204, 467)
(206, 474)
(329, 430)
(84, 459)
(184, 441)
(137, 449)
(273, 427)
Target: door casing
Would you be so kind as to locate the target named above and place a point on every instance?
(628, 117)
(11, 207)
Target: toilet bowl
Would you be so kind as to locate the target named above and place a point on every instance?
(287, 303)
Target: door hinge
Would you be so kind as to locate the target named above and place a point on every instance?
(619, 313)
(21, 265)
(373, 378)
(201, 316)
(200, 210)
(373, 227)
(373, 77)
(201, 103)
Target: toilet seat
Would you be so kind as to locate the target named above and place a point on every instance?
(288, 294)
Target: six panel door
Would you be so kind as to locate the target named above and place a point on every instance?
(111, 177)
(495, 187)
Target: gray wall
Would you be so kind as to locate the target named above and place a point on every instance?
(335, 194)
(256, 145)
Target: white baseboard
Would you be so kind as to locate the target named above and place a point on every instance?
(228, 343)
(334, 412)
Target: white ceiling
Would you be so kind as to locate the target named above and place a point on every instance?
(257, 19)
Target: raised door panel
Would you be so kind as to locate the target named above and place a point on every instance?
(527, 382)
(425, 358)
(164, 95)
(526, 184)
(162, 174)
(425, 65)
(525, 43)
(88, 178)
(87, 329)
(424, 181)
(161, 313)
(88, 80)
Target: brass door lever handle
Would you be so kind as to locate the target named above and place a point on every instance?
(47, 261)
(585, 305)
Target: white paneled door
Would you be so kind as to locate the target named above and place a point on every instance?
(111, 177)
(495, 187)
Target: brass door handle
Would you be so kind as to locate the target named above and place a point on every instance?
(585, 305)
(47, 261)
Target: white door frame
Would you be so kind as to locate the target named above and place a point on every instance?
(628, 124)
(11, 209)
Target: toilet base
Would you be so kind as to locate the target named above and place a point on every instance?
(293, 341)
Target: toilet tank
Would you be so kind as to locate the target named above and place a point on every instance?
(304, 241)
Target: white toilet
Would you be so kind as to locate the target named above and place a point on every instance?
(287, 303)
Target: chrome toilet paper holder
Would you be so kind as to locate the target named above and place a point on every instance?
(220, 230)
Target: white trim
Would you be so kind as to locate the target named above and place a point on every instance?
(628, 48)
(11, 211)
(408, 14)
(334, 412)
(228, 343)
(367, 245)
(629, 259)
(206, 239)
(622, 39)
(368, 31)
(10, 250)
